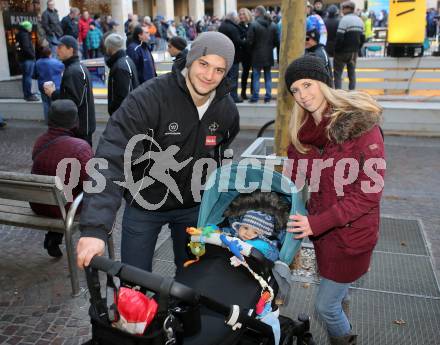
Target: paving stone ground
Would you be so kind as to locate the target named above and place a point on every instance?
(35, 302)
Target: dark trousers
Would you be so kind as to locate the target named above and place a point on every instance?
(244, 77)
(339, 61)
(85, 51)
(233, 77)
(47, 101)
(54, 237)
(140, 229)
(27, 68)
(93, 53)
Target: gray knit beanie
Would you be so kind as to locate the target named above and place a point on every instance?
(212, 43)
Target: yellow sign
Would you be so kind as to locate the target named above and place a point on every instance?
(406, 23)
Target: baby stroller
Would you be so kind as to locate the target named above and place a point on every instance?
(210, 302)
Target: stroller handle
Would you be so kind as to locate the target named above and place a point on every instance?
(148, 280)
(155, 282)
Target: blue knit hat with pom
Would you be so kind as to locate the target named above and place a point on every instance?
(259, 220)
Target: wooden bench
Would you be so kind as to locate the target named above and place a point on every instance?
(397, 76)
(17, 190)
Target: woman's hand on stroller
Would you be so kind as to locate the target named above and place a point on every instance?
(299, 224)
(87, 248)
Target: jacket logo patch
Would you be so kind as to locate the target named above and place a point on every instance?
(373, 147)
(211, 140)
(213, 127)
(173, 129)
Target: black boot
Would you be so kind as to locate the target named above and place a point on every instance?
(350, 339)
(243, 93)
(52, 242)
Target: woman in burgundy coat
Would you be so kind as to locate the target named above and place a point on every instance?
(337, 134)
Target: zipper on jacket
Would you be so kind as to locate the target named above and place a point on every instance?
(85, 96)
(215, 100)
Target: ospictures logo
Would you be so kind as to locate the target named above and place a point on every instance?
(160, 166)
(161, 163)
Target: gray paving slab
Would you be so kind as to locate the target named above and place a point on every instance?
(374, 315)
(35, 302)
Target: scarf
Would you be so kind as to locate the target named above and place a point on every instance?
(315, 135)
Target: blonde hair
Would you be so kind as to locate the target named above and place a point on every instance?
(247, 13)
(340, 102)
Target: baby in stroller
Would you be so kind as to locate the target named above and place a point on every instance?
(235, 300)
(261, 229)
(258, 229)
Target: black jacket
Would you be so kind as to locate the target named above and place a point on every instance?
(331, 23)
(182, 55)
(245, 53)
(76, 85)
(161, 108)
(70, 26)
(51, 23)
(25, 48)
(232, 30)
(141, 55)
(262, 38)
(320, 52)
(121, 80)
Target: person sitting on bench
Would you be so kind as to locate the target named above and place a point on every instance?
(57, 143)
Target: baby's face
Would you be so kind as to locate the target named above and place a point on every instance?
(247, 232)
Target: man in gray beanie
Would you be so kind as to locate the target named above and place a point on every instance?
(186, 120)
(123, 77)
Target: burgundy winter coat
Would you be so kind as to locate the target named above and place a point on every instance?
(49, 149)
(345, 227)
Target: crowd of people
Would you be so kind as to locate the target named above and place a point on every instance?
(255, 33)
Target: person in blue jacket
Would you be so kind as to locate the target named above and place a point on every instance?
(47, 69)
(138, 51)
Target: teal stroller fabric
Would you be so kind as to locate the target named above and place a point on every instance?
(228, 181)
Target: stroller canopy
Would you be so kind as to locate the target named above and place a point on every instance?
(228, 181)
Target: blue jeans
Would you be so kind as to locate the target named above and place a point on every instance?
(140, 229)
(53, 44)
(27, 68)
(256, 73)
(329, 306)
(233, 77)
(46, 105)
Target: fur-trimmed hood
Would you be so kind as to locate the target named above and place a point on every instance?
(352, 125)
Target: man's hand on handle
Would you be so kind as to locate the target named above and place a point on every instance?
(87, 248)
